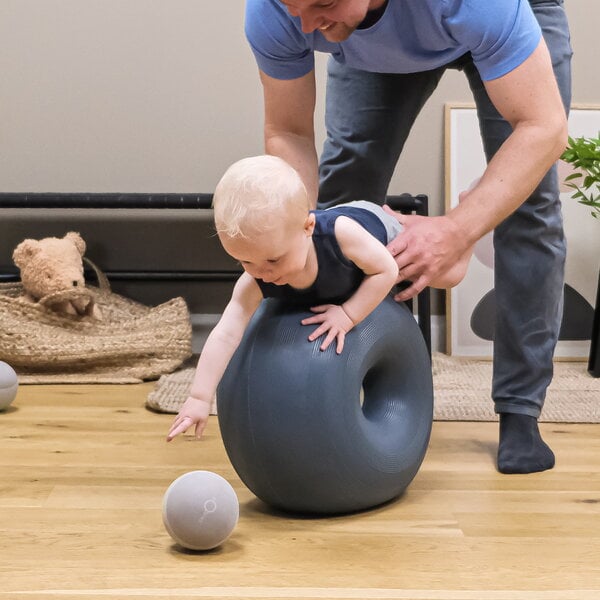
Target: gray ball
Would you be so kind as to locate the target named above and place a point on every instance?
(200, 510)
(8, 385)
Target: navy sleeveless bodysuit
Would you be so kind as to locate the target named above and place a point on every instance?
(337, 277)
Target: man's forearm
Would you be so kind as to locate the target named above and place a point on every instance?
(300, 153)
(529, 99)
(511, 176)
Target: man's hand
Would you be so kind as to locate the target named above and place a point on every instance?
(426, 249)
(193, 411)
(334, 322)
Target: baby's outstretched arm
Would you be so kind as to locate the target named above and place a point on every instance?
(216, 354)
(380, 269)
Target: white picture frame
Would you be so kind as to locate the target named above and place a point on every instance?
(465, 162)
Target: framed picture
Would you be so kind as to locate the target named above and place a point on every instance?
(470, 305)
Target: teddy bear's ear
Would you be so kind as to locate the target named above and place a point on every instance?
(74, 237)
(25, 251)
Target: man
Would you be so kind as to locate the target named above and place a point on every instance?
(387, 58)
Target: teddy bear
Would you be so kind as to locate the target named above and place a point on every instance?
(52, 272)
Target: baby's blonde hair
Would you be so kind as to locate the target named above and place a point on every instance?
(255, 194)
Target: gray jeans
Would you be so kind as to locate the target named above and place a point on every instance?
(368, 118)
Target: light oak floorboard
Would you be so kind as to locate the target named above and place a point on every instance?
(84, 470)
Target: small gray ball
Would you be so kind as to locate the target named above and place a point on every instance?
(200, 510)
(8, 385)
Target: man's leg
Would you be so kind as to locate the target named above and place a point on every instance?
(368, 118)
(529, 275)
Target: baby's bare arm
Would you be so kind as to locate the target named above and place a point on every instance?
(216, 354)
(380, 270)
(373, 258)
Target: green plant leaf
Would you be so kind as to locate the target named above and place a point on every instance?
(573, 176)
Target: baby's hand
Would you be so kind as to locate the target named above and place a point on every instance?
(334, 321)
(193, 411)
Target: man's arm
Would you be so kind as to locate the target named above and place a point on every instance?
(528, 98)
(289, 126)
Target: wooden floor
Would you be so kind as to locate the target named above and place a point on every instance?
(84, 470)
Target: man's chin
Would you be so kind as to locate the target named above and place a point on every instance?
(338, 33)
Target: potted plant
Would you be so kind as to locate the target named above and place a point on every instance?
(584, 155)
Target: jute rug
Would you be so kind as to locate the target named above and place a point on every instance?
(462, 392)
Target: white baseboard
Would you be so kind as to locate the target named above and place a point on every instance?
(203, 323)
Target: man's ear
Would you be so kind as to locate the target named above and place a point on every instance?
(309, 224)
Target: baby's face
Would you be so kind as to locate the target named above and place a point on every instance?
(277, 256)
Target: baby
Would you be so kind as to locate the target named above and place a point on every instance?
(333, 261)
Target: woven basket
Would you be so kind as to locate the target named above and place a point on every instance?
(131, 342)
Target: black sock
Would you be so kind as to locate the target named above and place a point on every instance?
(521, 448)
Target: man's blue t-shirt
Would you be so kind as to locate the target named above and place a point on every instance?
(410, 36)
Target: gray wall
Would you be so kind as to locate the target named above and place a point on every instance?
(157, 95)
